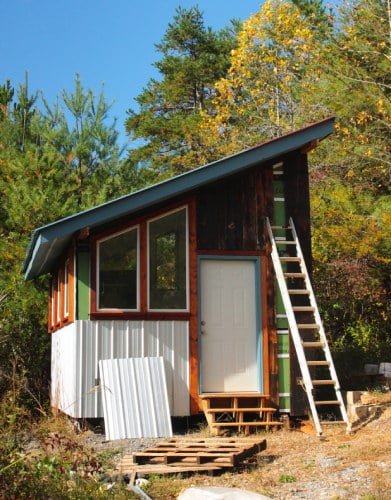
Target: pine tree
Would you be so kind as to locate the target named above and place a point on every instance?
(193, 58)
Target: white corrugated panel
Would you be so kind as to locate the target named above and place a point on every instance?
(135, 402)
(63, 393)
(77, 349)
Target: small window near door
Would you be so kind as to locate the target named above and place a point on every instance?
(168, 261)
(118, 271)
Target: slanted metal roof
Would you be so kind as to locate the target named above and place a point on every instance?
(48, 242)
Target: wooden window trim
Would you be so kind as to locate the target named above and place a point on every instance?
(95, 274)
(187, 249)
(56, 314)
(143, 313)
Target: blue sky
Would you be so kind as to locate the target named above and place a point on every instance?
(105, 41)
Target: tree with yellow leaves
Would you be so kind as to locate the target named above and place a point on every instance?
(266, 90)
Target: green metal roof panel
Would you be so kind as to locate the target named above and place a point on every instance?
(48, 242)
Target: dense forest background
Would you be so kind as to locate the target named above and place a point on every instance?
(291, 63)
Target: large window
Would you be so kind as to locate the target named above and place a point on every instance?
(167, 244)
(118, 271)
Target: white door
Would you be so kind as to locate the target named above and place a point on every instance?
(228, 326)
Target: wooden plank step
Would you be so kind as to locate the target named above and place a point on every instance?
(161, 450)
(294, 275)
(308, 326)
(236, 410)
(290, 259)
(303, 308)
(318, 363)
(245, 424)
(332, 422)
(298, 291)
(212, 395)
(324, 382)
(317, 343)
(284, 242)
(281, 227)
(333, 402)
(165, 469)
(247, 441)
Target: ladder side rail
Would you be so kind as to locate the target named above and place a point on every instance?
(318, 320)
(297, 341)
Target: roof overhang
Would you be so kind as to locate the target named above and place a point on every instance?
(48, 243)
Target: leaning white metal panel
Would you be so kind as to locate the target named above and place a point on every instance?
(135, 399)
(98, 340)
(64, 394)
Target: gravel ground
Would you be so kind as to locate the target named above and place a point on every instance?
(295, 465)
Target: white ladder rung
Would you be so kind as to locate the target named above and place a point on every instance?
(324, 382)
(316, 343)
(333, 402)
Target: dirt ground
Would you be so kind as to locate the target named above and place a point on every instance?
(299, 465)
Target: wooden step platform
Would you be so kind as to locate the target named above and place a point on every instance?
(191, 455)
(242, 412)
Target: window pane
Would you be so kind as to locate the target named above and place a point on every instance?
(118, 272)
(167, 262)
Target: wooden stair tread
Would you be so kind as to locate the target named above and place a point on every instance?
(290, 259)
(294, 275)
(308, 326)
(303, 308)
(236, 410)
(285, 242)
(316, 343)
(323, 382)
(298, 291)
(212, 395)
(318, 363)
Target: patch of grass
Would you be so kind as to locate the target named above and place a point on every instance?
(287, 478)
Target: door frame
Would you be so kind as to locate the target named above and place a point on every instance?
(258, 309)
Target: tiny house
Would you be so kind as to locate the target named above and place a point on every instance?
(182, 270)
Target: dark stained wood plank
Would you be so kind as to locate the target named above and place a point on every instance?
(193, 327)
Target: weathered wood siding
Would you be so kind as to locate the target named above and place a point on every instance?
(230, 213)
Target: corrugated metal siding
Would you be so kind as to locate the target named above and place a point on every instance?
(75, 359)
(134, 394)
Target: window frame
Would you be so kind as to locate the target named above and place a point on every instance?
(98, 241)
(148, 261)
(65, 315)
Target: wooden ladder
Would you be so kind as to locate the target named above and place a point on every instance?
(307, 335)
(241, 411)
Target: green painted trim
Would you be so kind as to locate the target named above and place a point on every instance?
(283, 343)
(285, 403)
(83, 284)
(283, 375)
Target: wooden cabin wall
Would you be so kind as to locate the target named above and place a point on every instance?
(297, 203)
(230, 220)
(230, 213)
